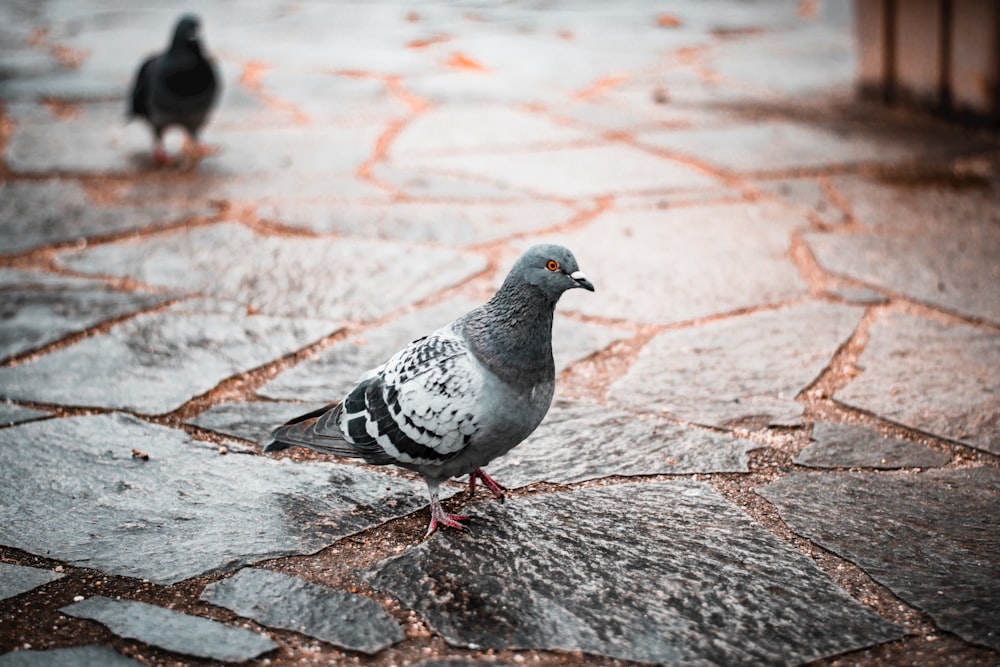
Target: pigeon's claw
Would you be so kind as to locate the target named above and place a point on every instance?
(161, 157)
(490, 483)
(440, 517)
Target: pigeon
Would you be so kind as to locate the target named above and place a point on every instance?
(177, 87)
(449, 403)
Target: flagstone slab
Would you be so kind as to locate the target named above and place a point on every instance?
(34, 214)
(353, 622)
(17, 579)
(305, 277)
(743, 368)
(156, 362)
(11, 413)
(453, 223)
(933, 538)
(73, 491)
(580, 441)
(38, 309)
(337, 370)
(172, 630)
(858, 446)
(589, 171)
(709, 260)
(252, 421)
(75, 656)
(936, 377)
(666, 572)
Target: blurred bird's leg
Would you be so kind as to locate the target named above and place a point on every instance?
(438, 515)
(160, 156)
(195, 150)
(488, 482)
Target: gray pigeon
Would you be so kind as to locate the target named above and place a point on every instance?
(451, 402)
(177, 87)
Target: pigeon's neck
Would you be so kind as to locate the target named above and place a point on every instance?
(511, 334)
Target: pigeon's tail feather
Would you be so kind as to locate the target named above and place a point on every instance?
(316, 430)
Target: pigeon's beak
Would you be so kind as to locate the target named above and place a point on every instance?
(581, 281)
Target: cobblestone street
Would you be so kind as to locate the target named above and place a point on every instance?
(776, 432)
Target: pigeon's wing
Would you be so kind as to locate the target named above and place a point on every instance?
(141, 87)
(420, 408)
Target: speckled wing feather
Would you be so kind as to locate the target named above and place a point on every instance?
(419, 407)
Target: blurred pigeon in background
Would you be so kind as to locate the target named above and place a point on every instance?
(451, 402)
(178, 87)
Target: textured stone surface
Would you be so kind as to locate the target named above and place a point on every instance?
(37, 310)
(185, 511)
(708, 260)
(337, 369)
(749, 367)
(40, 213)
(932, 538)
(155, 363)
(17, 579)
(251, 421)
(931, 376)
(279, 600)
(76, 656)
(171, 630)
(579, 441)
(659, 572)
(224, 261)
(858, 446)
(11, 413)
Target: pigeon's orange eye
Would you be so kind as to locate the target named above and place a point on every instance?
(552, 265)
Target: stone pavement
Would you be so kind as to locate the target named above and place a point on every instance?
(775, 436)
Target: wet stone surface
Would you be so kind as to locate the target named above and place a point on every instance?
(251, 421)
(579, 441)
(857, 446)
(171, 630)
(223, 261)
(76, 656)
(931, 376)
(17, 579)
(556, 571)
(282, 601)
(39, 309)
(183, 512)
(744, 368)
(932, 538)
(11, 413)
(156, 362)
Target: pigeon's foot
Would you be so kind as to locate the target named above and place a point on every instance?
(440, 517)
(161, 157)
(488, 482)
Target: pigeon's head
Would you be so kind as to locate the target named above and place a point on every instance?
(186, 33)
(551, 268)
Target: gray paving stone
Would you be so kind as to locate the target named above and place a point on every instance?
(931, 376)
(76, 656)
(932, 538)
(589, 171)
(454, 223)
(337, 369)
(225, 260)
(743, 368)
(664, 572)
(11, 413)
(858, 446)
(328, 99)
(17, 579)
(930, 243)
(40, 213)
(156, 362)
(251, 421)
(39, 309)
(279, 600)
(172, 630)
(708, 260)
(579, 441)
(185, 511)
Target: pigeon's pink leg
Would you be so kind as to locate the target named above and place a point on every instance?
(489, 482)
(160, 156)
(439, 516)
